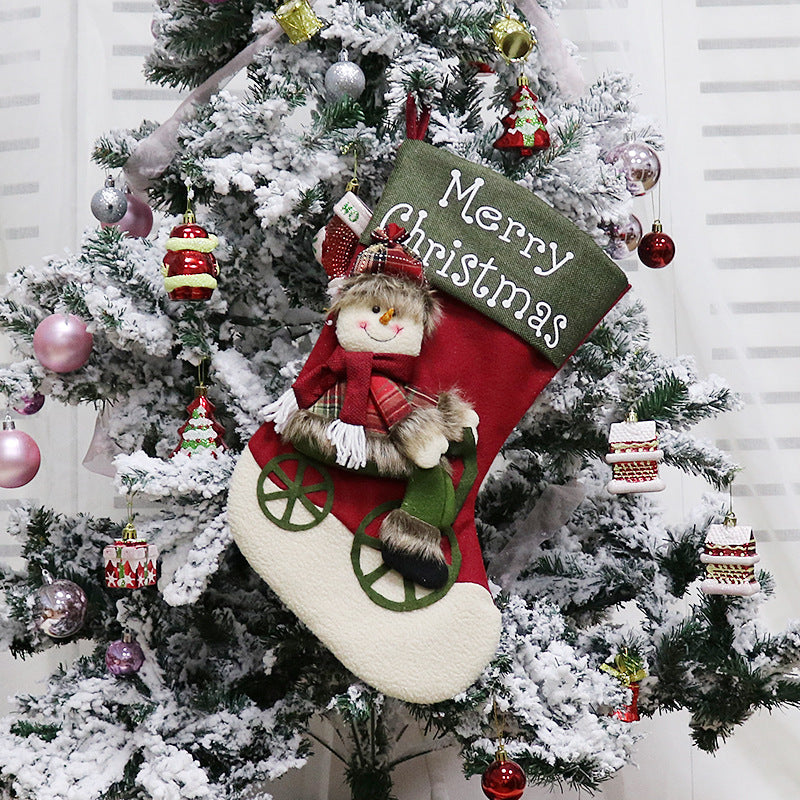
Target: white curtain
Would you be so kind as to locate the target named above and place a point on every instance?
(720, 78)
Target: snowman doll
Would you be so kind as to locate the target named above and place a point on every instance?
(357, 407)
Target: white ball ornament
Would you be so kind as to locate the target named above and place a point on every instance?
(62, 343)
(344, 79)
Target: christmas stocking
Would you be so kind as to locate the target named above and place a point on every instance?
(520, 287)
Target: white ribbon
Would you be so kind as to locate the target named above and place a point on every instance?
(570, 79)
(154, 153)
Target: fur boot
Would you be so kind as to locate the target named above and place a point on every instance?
(413, 548)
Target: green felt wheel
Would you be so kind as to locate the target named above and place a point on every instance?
(290, 508)
(387, 593)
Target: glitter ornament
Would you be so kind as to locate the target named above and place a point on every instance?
(109, 204)
(201, 433)
(298, 20)
(344, 79)
(504, 779)
(639, 164)
(124, 657)
(138, 219)
(62, 343)
(30, 404)
(623, 239)
(656, 249)
(59, 608)
(19, 456)
(525, 126)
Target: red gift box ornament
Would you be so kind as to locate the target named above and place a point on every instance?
(130, 563)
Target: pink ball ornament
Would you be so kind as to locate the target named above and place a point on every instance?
(124, 657)
(62, 343)
(30, 404)
(138, 219)
(638, 163)
(623, 239)
(19, 456)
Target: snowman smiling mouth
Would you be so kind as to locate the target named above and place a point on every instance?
(376, 339)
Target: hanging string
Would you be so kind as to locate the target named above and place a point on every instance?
(188, 217)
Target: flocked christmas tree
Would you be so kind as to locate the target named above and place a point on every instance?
(232, 678)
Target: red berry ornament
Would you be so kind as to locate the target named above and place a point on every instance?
(190, 270)
(504, 779)
(656, 249)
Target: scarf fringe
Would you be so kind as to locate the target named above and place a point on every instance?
(281, 411)
(350, 442)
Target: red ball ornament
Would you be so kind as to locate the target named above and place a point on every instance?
(504, 779)
(656, 249)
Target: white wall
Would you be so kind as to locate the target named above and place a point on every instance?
(720, 77)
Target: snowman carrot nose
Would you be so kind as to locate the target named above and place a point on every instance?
(386, 318)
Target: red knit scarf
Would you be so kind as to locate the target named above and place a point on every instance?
(356, 370)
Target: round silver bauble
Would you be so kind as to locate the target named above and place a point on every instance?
(344, 79)
(109, 204)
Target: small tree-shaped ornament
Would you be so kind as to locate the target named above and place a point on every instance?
(525, 125)
(130, 562)
(629, 670)
(201, 432)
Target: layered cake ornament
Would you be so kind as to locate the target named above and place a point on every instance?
(634, 457)
(730, 555)
(130, 563)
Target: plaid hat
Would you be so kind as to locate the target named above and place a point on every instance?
(389, 256)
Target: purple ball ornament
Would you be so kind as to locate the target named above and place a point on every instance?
(623, 239)
(138, 219)
(639, 164)
(59, 608)
(124, 657)
(30, 404)
(62, 343)
(19, 456)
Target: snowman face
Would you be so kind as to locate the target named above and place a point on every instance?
(369, 327)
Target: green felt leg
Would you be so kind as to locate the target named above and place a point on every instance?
(430, 497)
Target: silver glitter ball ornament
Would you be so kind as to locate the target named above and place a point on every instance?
(109, 204)
(344, 79)
(60, 607)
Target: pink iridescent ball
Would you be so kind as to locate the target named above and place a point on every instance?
(62, 343)
(138, 219)
(19, 457)
(638, 163)
(30, 404)
(124, 657)
(59, 609)
(623, 239)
